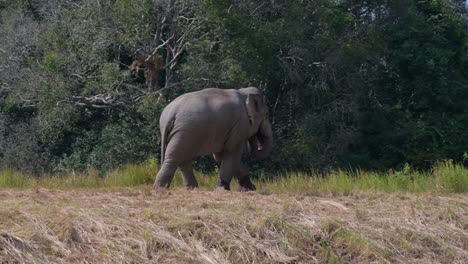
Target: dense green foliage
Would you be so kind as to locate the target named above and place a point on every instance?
(372, 84)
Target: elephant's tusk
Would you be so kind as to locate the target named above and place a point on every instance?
(259, 147)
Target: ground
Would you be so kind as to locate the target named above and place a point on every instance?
(139, 225)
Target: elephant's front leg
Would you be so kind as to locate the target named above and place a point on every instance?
(239, 171)
(244, 179)
(228, 167)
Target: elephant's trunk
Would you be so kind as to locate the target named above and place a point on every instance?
(262, 142)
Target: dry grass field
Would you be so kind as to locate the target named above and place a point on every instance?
(140, 225)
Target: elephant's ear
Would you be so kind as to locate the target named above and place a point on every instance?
(252, 102)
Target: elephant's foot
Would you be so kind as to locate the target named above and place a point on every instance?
(224, 185)
(221, 190)
(160, 185)
(246, 185)
(165, 176)
(191, 187)
(190, 183)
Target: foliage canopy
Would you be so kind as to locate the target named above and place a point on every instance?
(361, 83)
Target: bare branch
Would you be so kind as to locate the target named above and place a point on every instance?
(174, 58)
(85, 77)
(159, 47)
(258, 7)
(136, 88)
(172, 85)
(5, 87)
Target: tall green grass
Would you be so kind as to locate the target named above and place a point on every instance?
(445, 177)
(451, 177)
(14, 179)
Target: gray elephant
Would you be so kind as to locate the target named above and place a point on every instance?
(214, 121)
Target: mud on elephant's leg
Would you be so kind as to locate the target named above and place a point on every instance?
(188, 177)
(243, 178)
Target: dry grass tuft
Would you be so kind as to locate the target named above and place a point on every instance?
(178, 226)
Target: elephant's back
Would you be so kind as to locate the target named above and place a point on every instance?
(207, 105)
(206, 116)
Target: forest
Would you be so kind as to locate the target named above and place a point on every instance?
(371, 84)
(368, 103)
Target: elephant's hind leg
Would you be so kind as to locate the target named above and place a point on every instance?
(188, 177)
(165, 175)
(178, 150)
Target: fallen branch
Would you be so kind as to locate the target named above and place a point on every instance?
(99, 101)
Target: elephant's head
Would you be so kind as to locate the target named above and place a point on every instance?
(261, 136)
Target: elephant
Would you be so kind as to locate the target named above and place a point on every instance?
(214, 121)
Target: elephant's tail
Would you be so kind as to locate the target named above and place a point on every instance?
(165, 138)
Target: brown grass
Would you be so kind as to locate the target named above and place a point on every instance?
(144, 226)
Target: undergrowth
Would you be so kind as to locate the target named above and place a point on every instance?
(444, 177)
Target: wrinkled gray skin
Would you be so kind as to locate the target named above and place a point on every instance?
(218, 122)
